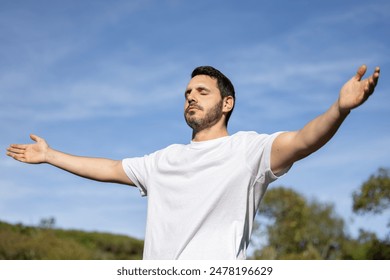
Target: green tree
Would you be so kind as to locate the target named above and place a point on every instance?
(298, 229)
(374, 194)
(374, 197)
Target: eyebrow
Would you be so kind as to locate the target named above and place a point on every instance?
(199, 88)
(203, 88)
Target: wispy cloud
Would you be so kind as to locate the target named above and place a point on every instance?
(109, 79)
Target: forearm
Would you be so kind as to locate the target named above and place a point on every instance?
(320, 130)
(99, 169)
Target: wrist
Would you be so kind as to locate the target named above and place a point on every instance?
(49, 155)
(343, 112)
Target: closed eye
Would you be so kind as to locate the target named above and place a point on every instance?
(200, 89)
(203, 90)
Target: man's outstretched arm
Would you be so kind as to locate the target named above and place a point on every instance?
(292, 146)
(99, 169)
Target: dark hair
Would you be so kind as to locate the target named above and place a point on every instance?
(225, 86)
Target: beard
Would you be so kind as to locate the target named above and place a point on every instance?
(211, 117)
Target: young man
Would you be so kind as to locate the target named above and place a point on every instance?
(203, 197)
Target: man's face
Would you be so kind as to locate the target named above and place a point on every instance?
(203, 103)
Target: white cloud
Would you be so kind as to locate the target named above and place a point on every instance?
(87, 60)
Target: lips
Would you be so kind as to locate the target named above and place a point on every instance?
(192, 107)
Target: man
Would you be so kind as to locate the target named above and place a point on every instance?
(203, 197)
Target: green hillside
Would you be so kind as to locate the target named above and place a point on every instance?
(19, 242)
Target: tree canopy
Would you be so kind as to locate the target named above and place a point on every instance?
(374, 194)
(299, 229)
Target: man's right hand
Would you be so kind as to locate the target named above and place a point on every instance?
(99, 169)
(29, 153)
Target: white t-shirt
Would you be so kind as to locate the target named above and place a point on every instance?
(203, 197)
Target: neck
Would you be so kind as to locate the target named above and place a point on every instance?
(209, 134)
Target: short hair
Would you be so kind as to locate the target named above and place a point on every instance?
(225, 86)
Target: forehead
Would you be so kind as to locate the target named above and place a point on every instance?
(204, 81)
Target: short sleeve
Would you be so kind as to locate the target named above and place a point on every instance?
(137, 169)
(258, 154)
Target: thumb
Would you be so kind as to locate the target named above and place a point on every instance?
(360, 72)
(35, 138)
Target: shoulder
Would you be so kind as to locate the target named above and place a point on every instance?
(253, 140)
(249, 136)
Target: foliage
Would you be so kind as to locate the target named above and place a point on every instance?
(296, 228)
(299, 229)
(366, 247)
(374, 197)
(374, 194)
(19, 242)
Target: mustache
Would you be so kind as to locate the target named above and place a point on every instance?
(192, 106)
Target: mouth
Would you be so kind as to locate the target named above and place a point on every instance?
(192, 107)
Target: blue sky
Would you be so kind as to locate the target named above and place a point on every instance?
(107, 79)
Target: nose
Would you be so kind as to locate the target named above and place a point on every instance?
(191, 101)
(191, 98)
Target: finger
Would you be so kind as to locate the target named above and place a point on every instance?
(369, 88)
(16, 155)
(20, 158)
(376, 75)
(18, 146)
(16, 150)
(361, 71)
(35, 138)
(373, 80)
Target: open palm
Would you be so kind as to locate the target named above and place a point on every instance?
(356, 91)
(29, 153)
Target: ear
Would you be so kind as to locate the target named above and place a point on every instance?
(228, 104)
